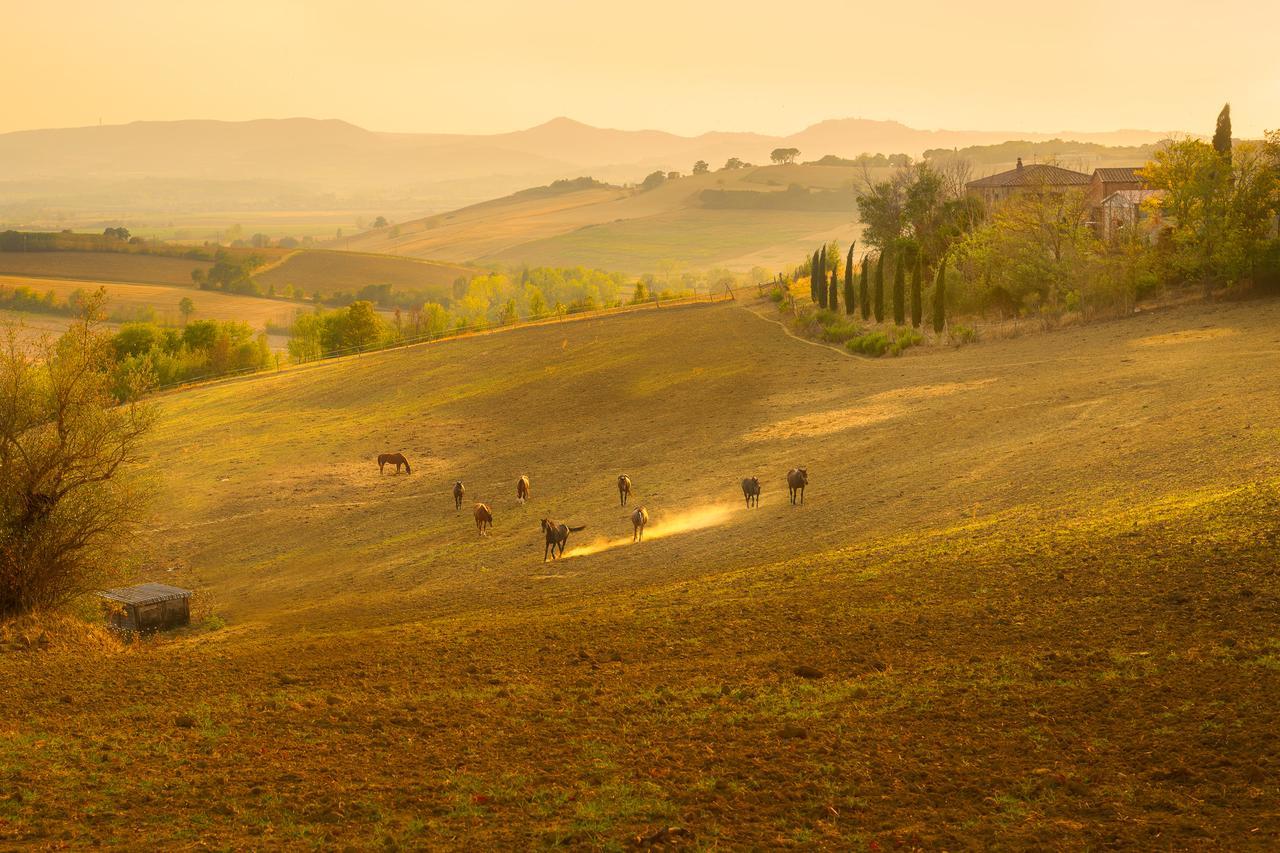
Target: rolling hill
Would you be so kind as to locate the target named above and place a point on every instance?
(1029, 600)
(328, 272)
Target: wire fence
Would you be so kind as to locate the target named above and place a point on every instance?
(456, 333)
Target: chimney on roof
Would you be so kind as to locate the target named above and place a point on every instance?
(1019, 164)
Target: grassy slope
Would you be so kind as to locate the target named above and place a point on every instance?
(629, 231)
(327, 272)
(101, 266)
(1039, 576)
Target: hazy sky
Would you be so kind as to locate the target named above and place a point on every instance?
(679, 65)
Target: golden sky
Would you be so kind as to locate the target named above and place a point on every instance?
(679, 65)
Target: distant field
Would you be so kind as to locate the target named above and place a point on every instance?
(737, 239)
(125, 301)
(629, 230)
(328, 272)
(101, 266)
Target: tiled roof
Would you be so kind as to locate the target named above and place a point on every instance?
(1036, 174)
(1119, 174)
(146, 593)
(1133, 196)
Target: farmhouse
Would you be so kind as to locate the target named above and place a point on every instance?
(147, 607)
(1123, 212)
(1036, 178)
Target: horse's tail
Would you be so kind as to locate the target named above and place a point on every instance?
(576, 529)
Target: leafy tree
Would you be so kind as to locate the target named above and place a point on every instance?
(733, 163)
(917, 272)
(878, 300)
(535, 300)
(940, 297)
(899, 288)
(1222, 133)
(701, 167)
(435, 319)
(850, 297)
(864, 291)
(784, 155)
(654, 180)
(380, 222)
(641, 294)
(70, 508)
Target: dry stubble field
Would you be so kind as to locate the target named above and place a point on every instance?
(1031, 601)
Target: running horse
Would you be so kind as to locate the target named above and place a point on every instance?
(458, 491)
(557, 535)
(484, 518)
(797, 479)
(522, 489)
(639, 519)
(396, 459)
(624, 490)
(751, 491)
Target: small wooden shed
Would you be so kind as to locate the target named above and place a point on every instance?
(147, 607)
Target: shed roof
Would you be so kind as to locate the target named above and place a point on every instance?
(145, 593)
(1118, 174)
(1032, 175)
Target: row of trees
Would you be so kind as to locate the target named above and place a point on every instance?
(866, 298)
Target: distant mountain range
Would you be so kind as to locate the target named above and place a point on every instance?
(305, 163)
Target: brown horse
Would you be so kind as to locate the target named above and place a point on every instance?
(393, 458)
(624, 490)
(458, 491)
(557, 536)
(639, 519)
(797, 479)
(751, 491)
(522, 489)
(484, 518)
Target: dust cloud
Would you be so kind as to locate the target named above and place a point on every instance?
(660, 527)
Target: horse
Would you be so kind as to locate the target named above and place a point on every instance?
(557, 535)
(458, 492)
(393, 458)
(797, 479)
(522, 489)
(484, 518)
(751, 491)
(624, 490)
(639, 519)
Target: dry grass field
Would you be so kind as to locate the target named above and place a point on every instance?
(329, 272)
(101, 266)
(632, 232)
(1031, 601)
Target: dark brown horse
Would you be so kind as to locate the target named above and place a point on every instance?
(624, 489)
(393, 458)
(751, 491)
(458, 491)
(522, 489)
(797, 479)
(557, 536)
(484, 518)
(639, 519)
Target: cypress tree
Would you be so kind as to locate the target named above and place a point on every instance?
(833, 296)
(814, 263)
(899, 288)
(864, 290)
(850, 300)
(916, 274)
(820, 278)
(940, 297)
(878, 300)
(1222, 133)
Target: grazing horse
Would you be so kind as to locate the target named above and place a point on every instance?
(458, 492)
(396, 459)
(522, 489)
(751, 490)
(484, 518)
(797, 479)
(557, 535)
(639, 519)
(624, 490)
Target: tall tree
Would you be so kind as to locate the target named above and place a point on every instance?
(814, 276)
(833, 293)
(940, 297)
(864, 289)
(850, 298)
(899, 288)
(917, 273)
(878, 301)
(1222, 133)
